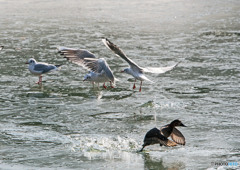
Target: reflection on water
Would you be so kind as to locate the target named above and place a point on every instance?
(66, 123)
(150, 163)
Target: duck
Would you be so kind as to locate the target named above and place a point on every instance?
(171, 130)
(160, 136)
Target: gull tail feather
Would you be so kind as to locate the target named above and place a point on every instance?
(145, 78)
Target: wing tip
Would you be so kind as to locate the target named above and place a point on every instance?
(106, 42)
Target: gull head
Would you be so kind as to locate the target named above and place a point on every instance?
(31, 61)
(87, 77)
(126, 70)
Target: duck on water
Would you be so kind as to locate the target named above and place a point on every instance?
(156, 136)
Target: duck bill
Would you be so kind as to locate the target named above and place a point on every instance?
(182, 125)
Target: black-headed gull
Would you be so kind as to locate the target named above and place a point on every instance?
(99, 71)
(1, 47)
(136, 71)
(38, 68)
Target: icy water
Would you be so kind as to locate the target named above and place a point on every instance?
(66, 124)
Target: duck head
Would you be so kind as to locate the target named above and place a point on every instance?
(177, 123)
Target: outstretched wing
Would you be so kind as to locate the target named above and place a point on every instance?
(121, 54)
(154, 136)
(103, 67)
(159, 70)
(178, 137)
(166, 131)
(80, 57)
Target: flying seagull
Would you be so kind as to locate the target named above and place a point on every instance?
(38, 68)
(99, 71)
(136, 71)
(1, 47)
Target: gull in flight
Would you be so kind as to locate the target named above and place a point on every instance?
(1, 47)
(99, 71)
(136, 71)
(38, 68)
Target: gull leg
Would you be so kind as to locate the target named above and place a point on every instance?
(104, 86)
(93, 84)
(140, 89)
(111, 84)
(39, 80)
(134, 84)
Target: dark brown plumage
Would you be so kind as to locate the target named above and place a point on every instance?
(171, 130)
(156, 136)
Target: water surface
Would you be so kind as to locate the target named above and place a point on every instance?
(67, 124)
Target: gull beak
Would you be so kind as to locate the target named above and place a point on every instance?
(122, 71)
(26, 63)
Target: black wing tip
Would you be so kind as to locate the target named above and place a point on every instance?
(58, 65)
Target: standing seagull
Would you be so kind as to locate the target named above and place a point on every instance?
(38, 68)
(99, 71)
(1, 47)
(136, 71)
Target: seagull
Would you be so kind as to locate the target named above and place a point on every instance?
(39, 68)
(136, 71)
(156, 136)
(99, 70)
(1, 47)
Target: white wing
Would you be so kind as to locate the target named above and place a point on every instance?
(159, 70)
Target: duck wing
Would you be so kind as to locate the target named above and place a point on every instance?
(178, 137)
(154, 136)
(166, 130)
